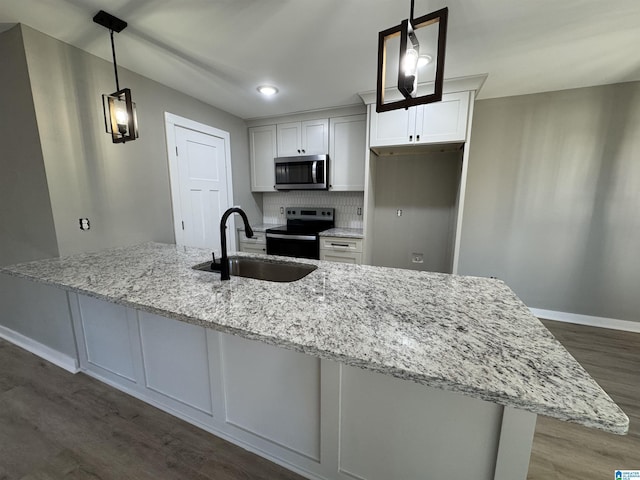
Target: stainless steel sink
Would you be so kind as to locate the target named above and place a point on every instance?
(262, 269)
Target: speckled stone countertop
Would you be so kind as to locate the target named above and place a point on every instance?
(343, 232)
(463, 334)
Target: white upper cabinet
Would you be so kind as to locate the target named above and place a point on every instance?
(347, 149)
(347, 152)
(303, 138)
(439, 122)
(262, 151)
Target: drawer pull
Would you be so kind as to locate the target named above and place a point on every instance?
(339, 244)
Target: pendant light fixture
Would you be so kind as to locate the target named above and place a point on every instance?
(119, 110)
(410, 59)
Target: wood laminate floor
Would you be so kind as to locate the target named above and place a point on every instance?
(55, 425)
(571, 452)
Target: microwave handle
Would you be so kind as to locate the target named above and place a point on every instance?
(314, 172)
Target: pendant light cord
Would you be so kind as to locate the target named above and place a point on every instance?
(115, 66)
(411, 17)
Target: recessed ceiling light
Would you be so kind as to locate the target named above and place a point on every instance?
(267, 90)
(424, 60)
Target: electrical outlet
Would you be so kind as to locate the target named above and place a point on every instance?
(417, 258)
(281, 210)
(84, 224)
(399, 212)
(359, 211)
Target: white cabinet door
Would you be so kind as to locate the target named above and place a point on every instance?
(439, 122)
(392, 128)
(289, 139)
(303, 138)
(315, 137)
(262, 151)
(347, 152)
(444, 121)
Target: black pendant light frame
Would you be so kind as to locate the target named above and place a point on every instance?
(121, 131)
(406, 31)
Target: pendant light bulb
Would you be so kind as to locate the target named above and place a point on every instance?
(410, 62)
(121, 116)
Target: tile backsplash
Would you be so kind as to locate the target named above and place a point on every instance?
(345, 203)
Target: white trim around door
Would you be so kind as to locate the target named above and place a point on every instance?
(171, 122)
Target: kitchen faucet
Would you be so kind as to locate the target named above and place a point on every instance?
(224, 261)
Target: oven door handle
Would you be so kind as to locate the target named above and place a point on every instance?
(292, 237)
(314, 172)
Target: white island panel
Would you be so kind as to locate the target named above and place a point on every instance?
(401, 430)
(106, 332)
(176, 361)
(273, 393)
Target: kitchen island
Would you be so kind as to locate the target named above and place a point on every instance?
(480, 365)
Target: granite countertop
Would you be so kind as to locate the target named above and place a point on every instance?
(463, 334)
(343, 232)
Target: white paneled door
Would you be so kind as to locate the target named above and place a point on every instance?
(201, 184)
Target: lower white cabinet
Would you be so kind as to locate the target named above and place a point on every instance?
(316, 417)
(341, 249)
(256, 244)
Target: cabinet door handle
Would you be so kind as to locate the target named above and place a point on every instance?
(417, 138)
(303, 151)
(410, 138)
(298, 150)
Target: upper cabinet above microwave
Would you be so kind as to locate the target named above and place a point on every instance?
(439, 122)
(303, 138)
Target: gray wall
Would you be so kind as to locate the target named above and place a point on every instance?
(425, 188)
(57, 165)
(26, 221)
(553, 199)
(123, 189)
(37, 311)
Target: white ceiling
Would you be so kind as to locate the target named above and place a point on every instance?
(321, 53)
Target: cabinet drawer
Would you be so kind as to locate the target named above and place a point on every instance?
(341, 257)
(258, 237)
(253, 247)
(341, 244)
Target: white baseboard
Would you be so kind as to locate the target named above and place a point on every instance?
(602, 322)
(62, 360)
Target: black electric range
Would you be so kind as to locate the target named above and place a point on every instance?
(300, 236)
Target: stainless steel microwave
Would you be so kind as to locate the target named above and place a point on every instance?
(308, 172)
